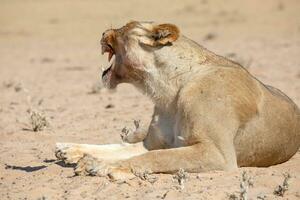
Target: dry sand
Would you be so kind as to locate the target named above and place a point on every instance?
(50, 60)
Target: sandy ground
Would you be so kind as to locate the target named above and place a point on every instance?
(50, 60)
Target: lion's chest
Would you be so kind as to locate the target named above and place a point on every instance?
(171, 131)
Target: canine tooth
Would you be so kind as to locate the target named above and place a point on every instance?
(110, 55)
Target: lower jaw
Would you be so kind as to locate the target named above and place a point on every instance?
(109, 84)
(110, 81)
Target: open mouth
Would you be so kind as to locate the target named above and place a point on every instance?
(107, 48)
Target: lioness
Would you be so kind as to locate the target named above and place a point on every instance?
(210, 112)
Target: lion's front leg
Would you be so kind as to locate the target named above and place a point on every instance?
(195, 158)
(199, 157)
(72, 153)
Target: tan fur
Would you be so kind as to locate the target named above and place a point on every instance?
(210, 113)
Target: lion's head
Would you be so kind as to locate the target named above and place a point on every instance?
(131, 50)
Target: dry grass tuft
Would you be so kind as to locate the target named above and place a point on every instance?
(146, 175)
(281, 189)
(181, 176)
(233, 197)
(261, 196)
(245, 183)
(38, 120)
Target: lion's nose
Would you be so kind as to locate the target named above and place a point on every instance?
(107, 36)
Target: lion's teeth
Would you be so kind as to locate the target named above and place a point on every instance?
(110, 63)
(110, 55)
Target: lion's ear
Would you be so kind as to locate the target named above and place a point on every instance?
(162, 34)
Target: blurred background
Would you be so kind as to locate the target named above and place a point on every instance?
(258, 34)
(50, 61)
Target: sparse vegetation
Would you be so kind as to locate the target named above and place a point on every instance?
(38, 120)
(146, 175)
(181, 176)
(51, 55)
(233, 197)
(261, 196)
(245, 184)
(281, 189)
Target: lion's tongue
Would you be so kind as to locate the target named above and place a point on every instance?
(110, 55)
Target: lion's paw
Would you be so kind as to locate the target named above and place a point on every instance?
(89, 165)
(130, 136)
(68, 153)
